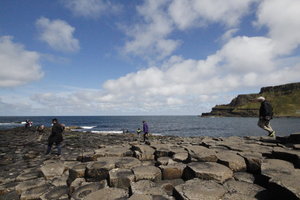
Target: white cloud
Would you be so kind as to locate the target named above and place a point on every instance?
(282, 19)
(58, 34)
(191, 13)
(149, 39)
(18, 66)
(90, 8)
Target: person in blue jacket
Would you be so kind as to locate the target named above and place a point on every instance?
(145, 130)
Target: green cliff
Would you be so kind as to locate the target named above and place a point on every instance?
(284, 98)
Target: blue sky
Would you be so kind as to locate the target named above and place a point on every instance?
(163, 57)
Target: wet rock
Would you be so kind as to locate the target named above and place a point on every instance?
(143, 152)
(197, 189)
(57, 193)
(127, 162)
(114, 151)
(203, 154)
(108, 194)
(207, 171)
(172, 171)
(52, 168)
(147, 173)
(232, 160)
(35, 193)
(98, 170)
(86, 189)
(120, 178)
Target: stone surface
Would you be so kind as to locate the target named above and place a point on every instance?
(113, 151)
(108, 194)
(52, 168)
(28, 174)
(147, 173)
(59, 193)
(232, 160)
(127, 162)
(84, 190)
(146, 187)
(201, 153)
(197, 189)
(98, 170)
(26, 185)
(35, 193)
(121, 178)
(253, 161)
(244, 176)
(144, 152)
(247, 189)
(173, 171)
(208, 171)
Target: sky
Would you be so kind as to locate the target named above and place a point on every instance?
(126, 57)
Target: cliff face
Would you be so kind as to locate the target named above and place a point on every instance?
(284, 98)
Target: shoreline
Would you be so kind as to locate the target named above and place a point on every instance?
(119, 166)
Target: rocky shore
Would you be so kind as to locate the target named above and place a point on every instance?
(115, 167)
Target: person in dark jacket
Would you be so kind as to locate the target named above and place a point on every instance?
(265, 115)
(145, 130)
(55, 136)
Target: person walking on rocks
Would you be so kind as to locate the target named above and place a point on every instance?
(265, 115)
(145, 130)
(55, 136)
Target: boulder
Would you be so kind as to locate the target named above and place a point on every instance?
(52, 168)
(173, 171)
(121, 178)
(108, 194)
(147, 173)
(143, 152)
(232, 160)
(207, 171)
(197, 189)
(203, 154)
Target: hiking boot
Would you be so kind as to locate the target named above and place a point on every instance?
(272, 134)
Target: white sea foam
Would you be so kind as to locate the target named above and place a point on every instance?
(107, 132)
(87, 127)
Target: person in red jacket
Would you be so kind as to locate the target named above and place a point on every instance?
(265, 115)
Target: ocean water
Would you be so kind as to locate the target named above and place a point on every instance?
(164, 125)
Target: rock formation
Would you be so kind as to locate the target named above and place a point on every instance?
(111, 167)
(284, 98)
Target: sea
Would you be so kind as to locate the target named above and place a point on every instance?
(162, 125)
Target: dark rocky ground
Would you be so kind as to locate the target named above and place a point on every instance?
(119, 167)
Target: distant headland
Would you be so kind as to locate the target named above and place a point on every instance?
(284, 98)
